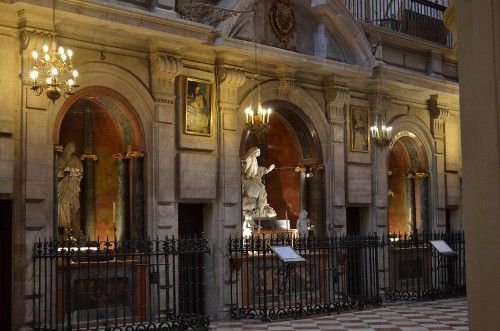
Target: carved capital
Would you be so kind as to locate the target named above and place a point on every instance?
(437, 111)
(379, 103)
(439, 114)
(336, 98)
(231, 77)
(166, 65)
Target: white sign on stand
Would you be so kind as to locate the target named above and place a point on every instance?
(442, 247)
(287, 254)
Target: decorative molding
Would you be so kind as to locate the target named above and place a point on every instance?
(84, 157)
(164, 70)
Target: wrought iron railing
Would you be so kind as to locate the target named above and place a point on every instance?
(109, 285)
(418, 18)
(339, 273)
(419, 271)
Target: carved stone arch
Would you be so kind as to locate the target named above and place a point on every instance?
(93, 75)
(416, 128)
(297, 96)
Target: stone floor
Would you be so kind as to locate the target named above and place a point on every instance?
(443, 315)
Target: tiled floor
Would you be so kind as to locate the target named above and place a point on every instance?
(443, 315)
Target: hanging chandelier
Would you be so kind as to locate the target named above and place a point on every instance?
(381, 136)
(257, 120)
(49, 68)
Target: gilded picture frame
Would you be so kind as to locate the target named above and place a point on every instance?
(198, 109)
(360, 129)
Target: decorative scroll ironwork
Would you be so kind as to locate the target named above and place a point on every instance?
(112, 285)
(207, 13)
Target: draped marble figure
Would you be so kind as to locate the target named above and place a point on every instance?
(253, 189)
(69, 175)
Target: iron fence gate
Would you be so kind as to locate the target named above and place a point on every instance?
(418, 271)
(339, 273)
(109, 285)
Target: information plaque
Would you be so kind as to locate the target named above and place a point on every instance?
(287, 254)
(442, 247)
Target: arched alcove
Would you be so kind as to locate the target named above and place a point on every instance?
(109, 141)
(408, 186)
(296, 182)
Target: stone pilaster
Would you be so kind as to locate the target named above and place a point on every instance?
(336, 98)
(439, 114)
(230, 209)
(164, 71)
(379, 104)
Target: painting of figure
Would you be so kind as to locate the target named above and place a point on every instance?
(198, 112)
(360, 129)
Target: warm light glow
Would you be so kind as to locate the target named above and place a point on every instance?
(55, 63)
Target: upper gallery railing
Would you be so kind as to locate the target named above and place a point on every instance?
(418, 18)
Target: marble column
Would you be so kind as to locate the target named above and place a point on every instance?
(88, 159)
(137, 219)
(411, 213)
(123, 204)
(337, 97)
(424, 201)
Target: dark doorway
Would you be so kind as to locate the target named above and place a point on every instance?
(6, 264)
(191, 290)
(354, 256)
(352, 220)
(190, 219)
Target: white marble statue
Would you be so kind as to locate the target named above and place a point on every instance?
(303, 224)
(69, 175)
(248, 226)
(253, 189)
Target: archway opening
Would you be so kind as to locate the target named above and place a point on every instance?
(408, 186)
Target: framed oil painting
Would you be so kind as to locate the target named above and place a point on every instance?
(360, 129)
(198, 107)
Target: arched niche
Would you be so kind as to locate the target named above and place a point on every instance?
(408, 185)
(110, 141)
(297, 181)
